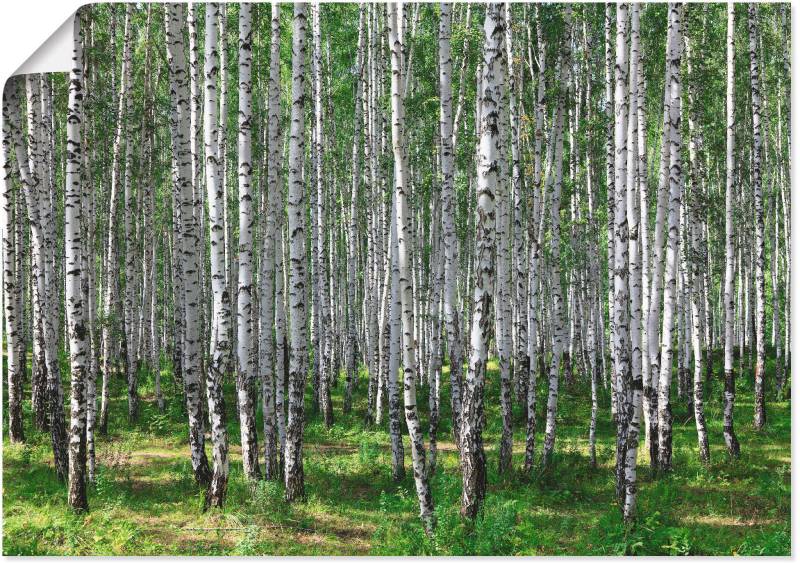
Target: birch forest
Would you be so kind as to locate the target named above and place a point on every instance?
(400, 279)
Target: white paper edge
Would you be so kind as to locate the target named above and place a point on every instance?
(54, 55)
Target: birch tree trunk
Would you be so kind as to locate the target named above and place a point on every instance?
(655, 295)
(12, 275)
(610, 189)
(504, 258)
(492, 77)
(266, 347)
(729, 394)
(75, 302)
(694, 254)
(671, 259)
(219, 345)
(535, 236)
(129, 295)
(554, 199)
(111, 300)
(760, 416)
(295, 487)
(352, 235)
(621, 326)
(404, 233)
(517, 192)
(189, 244)
(634, 390)
(35, 176)
(325, 350)
(245, 382)
(449, 240)
(398, 459)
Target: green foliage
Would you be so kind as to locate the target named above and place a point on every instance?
(145, 500)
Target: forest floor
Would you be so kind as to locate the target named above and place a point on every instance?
(145, 501)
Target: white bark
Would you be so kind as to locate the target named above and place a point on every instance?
(621, 317)
(220, 345)
(403, 222)
(671, 259)
(266, 346)
(12, 274)
(188, 245)
(553, 188)
(295, 489)
(245, 382)
(492, 77)
(75, 299)
(760, 417)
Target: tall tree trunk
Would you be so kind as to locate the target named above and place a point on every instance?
(403, 221)
(111, 300)
(634, 384)
(729, 394)
(517, 190)
(622, 318)
(655, 294)
(295, 484)
(398, 468)
(189, 243)
(221, 316)
(610, 190)
(128, 298)
(351, 355)
(492, 80)
(245, 382)
(760, 417)
(75, 302)
(449, 239)
(267, 278)
(670, 268)
(37, 195)
(325, 350)
(12, 275)
(694, 255)
(281, 342)
(554, 185)
(535, 241)
(505, 237)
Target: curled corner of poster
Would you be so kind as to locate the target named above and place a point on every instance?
(54, 55)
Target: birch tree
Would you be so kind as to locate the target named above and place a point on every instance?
(403, 221)
(621, 330)
(554, 188)
(12, 275)
(266, 346)
(111, 299)
(188, 245)
(694, 251)
(76, 304)
(492, 74)
(352, 242)
(760, 416)
(671, 259)
(729, 394)
(33, 175)
(221, 316)
(294, 478)
(449, 240)
(245, 382)
(325, 350)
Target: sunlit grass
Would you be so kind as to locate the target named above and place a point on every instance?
(145, 501)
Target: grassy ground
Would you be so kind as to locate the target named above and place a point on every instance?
(145, 501)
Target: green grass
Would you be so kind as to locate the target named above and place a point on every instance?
(146, 503)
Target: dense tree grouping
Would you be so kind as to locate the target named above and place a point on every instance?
(292, 198)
